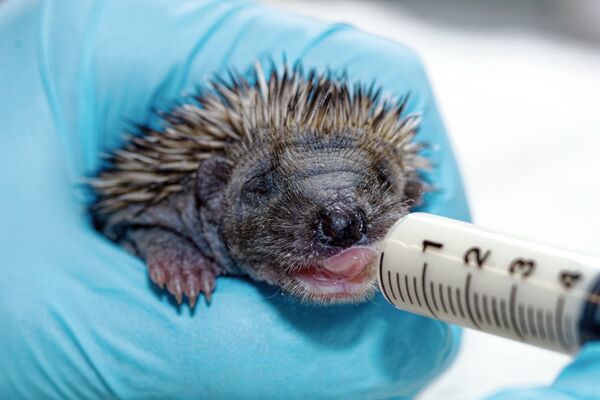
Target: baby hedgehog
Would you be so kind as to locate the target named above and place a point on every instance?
(290, 179)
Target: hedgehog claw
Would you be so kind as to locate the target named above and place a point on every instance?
(192, 289)
(158, 276)
(175, 287)
(192, 300)
(208, 284)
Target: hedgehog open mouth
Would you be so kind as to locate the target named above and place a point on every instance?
(347, 274)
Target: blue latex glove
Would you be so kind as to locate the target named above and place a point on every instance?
(579, 381)
(79, 318)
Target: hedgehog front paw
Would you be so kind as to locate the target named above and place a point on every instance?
(184, 276)
(175, 263)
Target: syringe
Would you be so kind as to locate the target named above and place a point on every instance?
(461, 274)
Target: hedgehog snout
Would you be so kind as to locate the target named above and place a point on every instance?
(339, 226)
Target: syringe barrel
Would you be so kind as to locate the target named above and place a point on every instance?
(462, 274)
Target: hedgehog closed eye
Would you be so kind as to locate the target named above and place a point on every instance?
(290, 179)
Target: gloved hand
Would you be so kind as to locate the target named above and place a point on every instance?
(79, 318)
(579, 381)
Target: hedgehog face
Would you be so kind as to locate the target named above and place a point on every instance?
(307, 215)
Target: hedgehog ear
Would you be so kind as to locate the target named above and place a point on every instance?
(211, 178)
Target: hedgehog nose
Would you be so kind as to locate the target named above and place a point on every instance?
(341, 228)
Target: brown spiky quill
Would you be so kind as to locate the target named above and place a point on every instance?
(232, 116)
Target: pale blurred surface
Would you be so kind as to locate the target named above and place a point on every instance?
(518, 84)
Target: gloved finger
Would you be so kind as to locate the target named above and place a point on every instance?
(578, 381)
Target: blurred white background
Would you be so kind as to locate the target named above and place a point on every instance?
(518, 84)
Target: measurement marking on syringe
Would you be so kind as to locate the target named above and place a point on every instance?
(504, 315)
(399, 288)
(442, 298)
(540, 323)
(417, 291)
(389, 274)
(468, 301)
(560, 304)
(522, 322)
(434, 300)
(476, 304)
(408, 289)
(385, 294)
(531, 321)
(549, 325)
(450, 301)
(486, 312)
(513, 312)
(459, 301)
(423, 280)
(495, 313)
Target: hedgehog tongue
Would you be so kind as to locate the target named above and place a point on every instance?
(350, 262)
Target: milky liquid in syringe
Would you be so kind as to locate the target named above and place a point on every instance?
(461, 274)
